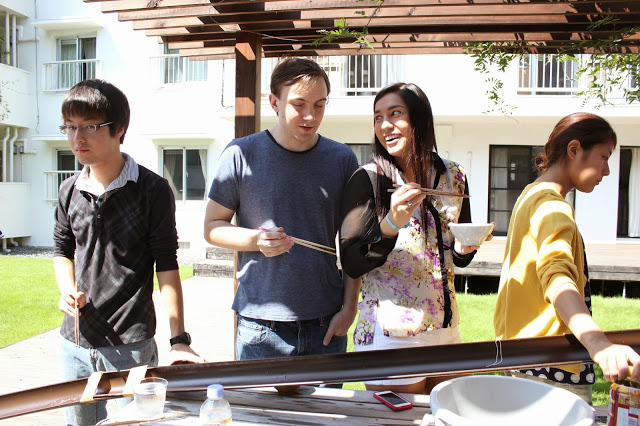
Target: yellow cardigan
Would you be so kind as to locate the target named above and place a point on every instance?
(543, 251)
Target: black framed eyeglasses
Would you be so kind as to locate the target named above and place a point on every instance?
(83, 130)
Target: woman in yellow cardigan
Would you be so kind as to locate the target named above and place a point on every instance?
(544, 286)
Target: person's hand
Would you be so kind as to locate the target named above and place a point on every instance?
(67, 302)
(339, 325)
(490, 236)
(181, 353)
(404, 201)
(615, 360)
(273, 242)
(462, 249)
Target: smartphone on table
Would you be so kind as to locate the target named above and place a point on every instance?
(392, 400)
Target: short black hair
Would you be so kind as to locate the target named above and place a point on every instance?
(100, 99)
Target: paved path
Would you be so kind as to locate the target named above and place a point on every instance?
(208, 316)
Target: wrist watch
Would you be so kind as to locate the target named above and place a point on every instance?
(181, 338)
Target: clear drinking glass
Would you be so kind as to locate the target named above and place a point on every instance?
(149, 396)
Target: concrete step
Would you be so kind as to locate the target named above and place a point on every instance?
(213, 268)
(219, 253)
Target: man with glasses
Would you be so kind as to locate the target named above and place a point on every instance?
(113, 222)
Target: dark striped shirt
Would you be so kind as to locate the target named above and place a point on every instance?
(116, 239)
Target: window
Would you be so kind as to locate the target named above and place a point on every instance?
(67, 161)
(365, 75)
(546, 75)
(511, 168)
(76, 61)
(185, 169)
(362, 151)
(178, 69)
(628, 195)
(67, 165)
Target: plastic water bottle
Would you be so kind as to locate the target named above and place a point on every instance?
(215, 410)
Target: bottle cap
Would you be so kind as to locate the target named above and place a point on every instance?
(215, 391)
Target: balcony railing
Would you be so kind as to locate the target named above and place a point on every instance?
(357, 75)
(545, 75)
(172, 69)
(63, 75)
(52, 181)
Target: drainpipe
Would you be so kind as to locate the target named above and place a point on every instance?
(14, 33)
(6, 35)
(4, 155)
(4, 167)
(10, 152)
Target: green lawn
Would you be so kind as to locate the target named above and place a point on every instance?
(476, 325)
(29, 297)
(29, 301)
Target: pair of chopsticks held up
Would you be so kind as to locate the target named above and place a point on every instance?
(76, 329)
(310, 244)
(432, 192)
(331, 250)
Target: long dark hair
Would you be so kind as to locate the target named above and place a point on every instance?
(421, 149)
(588, 129)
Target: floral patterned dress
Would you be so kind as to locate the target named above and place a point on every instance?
(409, 287)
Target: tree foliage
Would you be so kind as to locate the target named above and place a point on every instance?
(605, 72)
(342, 30)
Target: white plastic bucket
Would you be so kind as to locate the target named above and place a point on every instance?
(499, 400)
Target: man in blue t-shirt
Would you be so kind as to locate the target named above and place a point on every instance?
(281, 183)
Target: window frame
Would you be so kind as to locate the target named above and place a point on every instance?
(181, 195)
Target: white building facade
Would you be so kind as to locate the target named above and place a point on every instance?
(183, 117)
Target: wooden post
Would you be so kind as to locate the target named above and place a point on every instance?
(248, 75)
(248, 67)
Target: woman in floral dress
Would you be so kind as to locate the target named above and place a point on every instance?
(399, 242)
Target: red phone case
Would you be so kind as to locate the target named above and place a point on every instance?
(389, 404)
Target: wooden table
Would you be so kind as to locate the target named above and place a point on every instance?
(309, 406)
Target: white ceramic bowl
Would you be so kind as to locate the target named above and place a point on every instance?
(471, 234)
(487, 400)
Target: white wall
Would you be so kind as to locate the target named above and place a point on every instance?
(200, 116)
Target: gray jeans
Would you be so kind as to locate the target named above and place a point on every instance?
(79, 362)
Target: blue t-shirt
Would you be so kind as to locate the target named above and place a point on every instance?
(268, 186)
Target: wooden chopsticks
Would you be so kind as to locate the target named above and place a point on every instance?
(314, 246)
(76, 324)
(309, 244)
(434, 192)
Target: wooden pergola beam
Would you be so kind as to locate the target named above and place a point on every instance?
(452, 48)
(274, 20)
(325, 11)
(131, 5)
(190, 42)
(251, 29)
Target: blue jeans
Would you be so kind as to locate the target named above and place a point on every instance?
(79, 362)
(258, 339)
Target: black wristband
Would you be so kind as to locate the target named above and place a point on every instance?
(181, 338)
